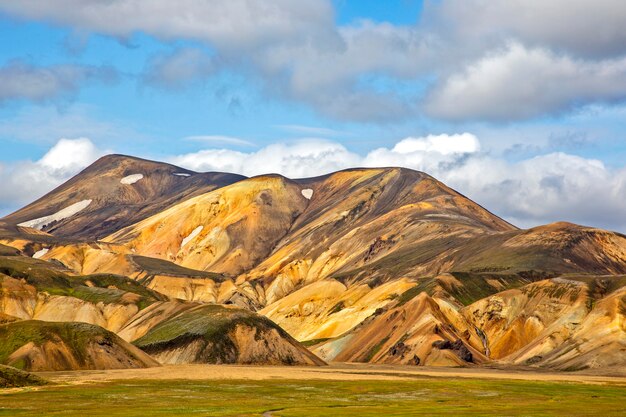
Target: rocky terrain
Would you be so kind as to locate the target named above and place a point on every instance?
(382, 265)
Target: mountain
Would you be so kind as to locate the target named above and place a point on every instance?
(382, 265)
(113, 192)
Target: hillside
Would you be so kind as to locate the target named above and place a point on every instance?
(217, 334)
(48, 346)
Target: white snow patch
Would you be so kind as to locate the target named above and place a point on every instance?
(182, 174)
(131, 179)
(68, 211)
(193, 234)
(40, 253)
(307, 193)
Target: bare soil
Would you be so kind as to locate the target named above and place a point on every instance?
(334, 372)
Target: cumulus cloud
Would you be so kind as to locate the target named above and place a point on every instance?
(21, 80)
(293, 47)
(24, 181)
(538, 57)
(304, 158)
(519, 83)
(546, 188)
(587, 28)
(227, 24)
(442, 144)
(330, 77)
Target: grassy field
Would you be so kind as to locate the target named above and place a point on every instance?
(422, 396)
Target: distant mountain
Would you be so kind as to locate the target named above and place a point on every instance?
(384, 265)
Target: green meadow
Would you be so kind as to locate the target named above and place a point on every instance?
(422, 396)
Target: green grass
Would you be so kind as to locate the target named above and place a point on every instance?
(154, 266)
(313, 342)
(312, 398)
(11, 377)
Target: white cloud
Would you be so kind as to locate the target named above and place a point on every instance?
(293, 47)
(520, 83)
(546, 188)
(69, 155)
(443, 144)
(301, 159)
(565, 53)
(583, 27)
(228, 24)
(20, 80)
(24, 181)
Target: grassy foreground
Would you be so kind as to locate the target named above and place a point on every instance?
(424, 396)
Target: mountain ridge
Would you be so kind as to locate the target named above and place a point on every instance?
(383, 265)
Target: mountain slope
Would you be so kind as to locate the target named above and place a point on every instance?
(217, 334)
(357, 217)
(47, 346)
(569, 323)
(228, 230)
(113, 192)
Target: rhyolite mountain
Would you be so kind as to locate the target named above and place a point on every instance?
(110, 200)
(381, 265)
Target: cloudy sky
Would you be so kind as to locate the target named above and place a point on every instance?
(518, 104)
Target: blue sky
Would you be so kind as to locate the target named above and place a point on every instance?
(223, 84)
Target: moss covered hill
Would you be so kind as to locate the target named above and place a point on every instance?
(35, 345)
(12, 378)
(222, 334)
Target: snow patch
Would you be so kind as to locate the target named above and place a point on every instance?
(307, 193)
(131, 179)
(182, 174)
(40, 253)
(192, 235)
(68, 211)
